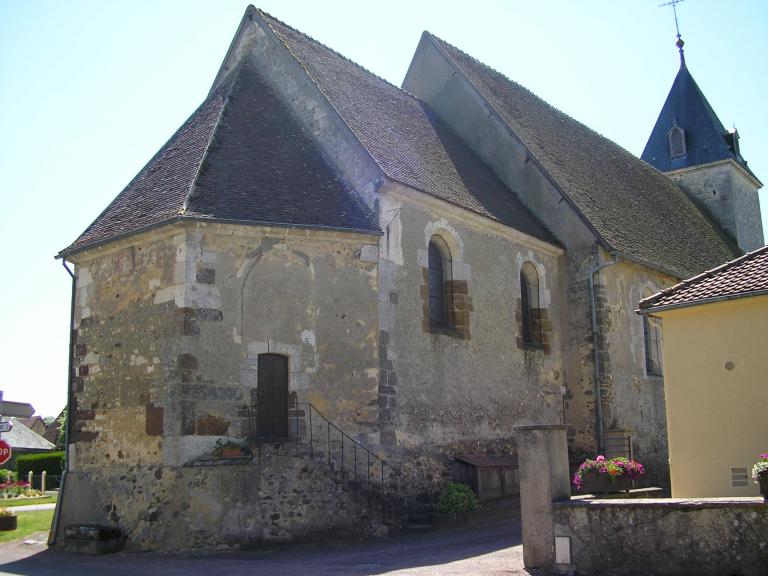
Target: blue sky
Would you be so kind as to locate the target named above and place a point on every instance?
(89, 90)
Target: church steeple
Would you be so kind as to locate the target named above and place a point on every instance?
(705, 138)
(690, 144)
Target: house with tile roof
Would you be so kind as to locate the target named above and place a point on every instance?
(24, 440)
(320, 262)
(715, 335)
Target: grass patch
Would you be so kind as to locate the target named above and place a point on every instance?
(29, 523)
(11, 502)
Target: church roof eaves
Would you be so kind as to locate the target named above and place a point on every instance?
(245, 160)
(632, 207)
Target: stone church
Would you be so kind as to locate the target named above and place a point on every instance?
(329, 270)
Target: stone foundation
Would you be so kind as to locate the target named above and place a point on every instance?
(282, 498)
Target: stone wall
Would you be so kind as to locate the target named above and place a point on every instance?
(125, 346)
(712, 536)
(461, 389)
(170, 325)
(278, 497)
(633, 400)
(730, 195)
(433, 79)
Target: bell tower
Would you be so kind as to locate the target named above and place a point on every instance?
(690, 144)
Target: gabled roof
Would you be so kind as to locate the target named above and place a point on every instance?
(706, 140)
(740, 278)
(407, 141)
(22, 438)
(243, 157)
(633, 208)
(240, 157)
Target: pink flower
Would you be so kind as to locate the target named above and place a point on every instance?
(600, 459)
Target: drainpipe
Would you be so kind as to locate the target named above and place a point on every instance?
(60, 499)
(598, 387)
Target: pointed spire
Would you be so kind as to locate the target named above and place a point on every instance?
(679, 42)
(680, 45)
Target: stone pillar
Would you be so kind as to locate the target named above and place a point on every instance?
(544, 478)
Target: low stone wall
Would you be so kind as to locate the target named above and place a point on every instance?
(660, 536)
(712, 536)
(164, 508)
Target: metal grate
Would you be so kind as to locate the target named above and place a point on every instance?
(739, 477)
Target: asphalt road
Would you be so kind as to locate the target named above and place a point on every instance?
(480, 550)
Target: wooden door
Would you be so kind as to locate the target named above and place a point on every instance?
(272, 396)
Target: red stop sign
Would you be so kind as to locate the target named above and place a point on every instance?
(5, 452)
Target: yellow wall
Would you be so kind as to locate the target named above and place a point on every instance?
(717, 419)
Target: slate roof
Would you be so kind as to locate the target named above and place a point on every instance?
(240, 157)
(740, 278)
(706, 139)
(632, 207)
(22, 438)
(404, 137)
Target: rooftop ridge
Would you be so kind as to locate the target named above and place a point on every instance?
(603, 172)
(233, 77)
(386, 172)
(648, 302)
(536, 96)
(268, 17)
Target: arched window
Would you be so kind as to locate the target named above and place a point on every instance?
(529, 305)
(652, 337)
(676, 142)
(439, 275)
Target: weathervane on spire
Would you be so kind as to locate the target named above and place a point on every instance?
(679, 42)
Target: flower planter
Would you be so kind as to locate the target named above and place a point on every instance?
(597, 483)
(8, 523)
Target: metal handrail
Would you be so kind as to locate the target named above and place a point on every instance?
(332, 430)
(356, 446)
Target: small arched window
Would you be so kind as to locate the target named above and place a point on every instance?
(439, 275)
(529, 305)
(676, 142)
(652, 338)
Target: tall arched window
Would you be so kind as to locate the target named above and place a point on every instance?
(529, 305)
(439, 275)
(652, 337)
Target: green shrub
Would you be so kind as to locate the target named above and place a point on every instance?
(456, 498)
(50, 462)
(7, 476)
